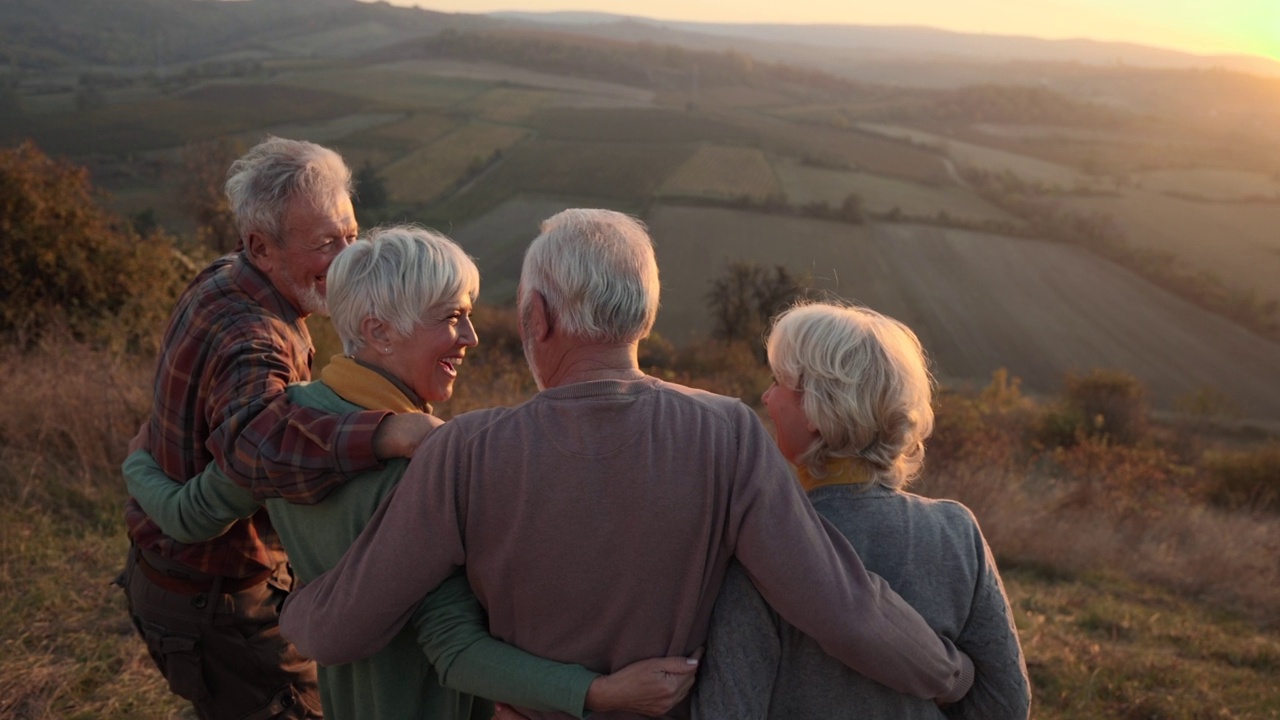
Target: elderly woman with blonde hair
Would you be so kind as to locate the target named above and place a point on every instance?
(851, 402)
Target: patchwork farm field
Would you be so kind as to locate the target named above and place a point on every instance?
(891, 157)
(617, 175)
(161, 121)
(979, 302)
(330, 130)
(424, 174)
(394, 141)
(879, 194)
(498, 240)
(485, 151)
(393, 85)
(609, 94)
(648, 125)
(1034, 170)
(718, 171)
(506, 105)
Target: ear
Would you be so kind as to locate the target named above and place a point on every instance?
(541, 324)
(261, 250)
(375, 333)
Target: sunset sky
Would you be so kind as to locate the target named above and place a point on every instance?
(1250, 27)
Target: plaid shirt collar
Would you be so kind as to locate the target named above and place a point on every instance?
(258, 286)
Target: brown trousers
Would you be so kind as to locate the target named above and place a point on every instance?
(221, 651)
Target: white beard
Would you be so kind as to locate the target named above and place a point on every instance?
(312, 301)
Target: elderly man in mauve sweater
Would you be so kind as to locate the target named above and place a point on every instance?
(596, 521)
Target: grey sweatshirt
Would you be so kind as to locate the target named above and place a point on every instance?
(930, 551)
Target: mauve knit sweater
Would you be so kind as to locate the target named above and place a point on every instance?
(596, 523)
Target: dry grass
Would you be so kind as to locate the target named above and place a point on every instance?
(1098, 507)
(67, 646)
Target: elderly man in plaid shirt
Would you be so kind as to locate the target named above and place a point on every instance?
(208, 611)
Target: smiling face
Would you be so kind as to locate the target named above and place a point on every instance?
(427, 359)
(313, 236)
(794, 431)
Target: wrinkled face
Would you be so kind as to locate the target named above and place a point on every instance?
(794, 431)
(427, 359)
(313, 237)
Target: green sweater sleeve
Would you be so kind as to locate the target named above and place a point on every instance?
(198, 510)
(453, 632)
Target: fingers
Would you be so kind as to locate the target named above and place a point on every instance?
(141, 441)
(678, 665)
(506, 712)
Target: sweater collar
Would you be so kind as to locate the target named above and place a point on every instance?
(368, 387)
(840, 471)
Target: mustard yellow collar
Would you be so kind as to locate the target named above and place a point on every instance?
(841, 471)
(364, 386)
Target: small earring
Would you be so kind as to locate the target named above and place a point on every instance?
(387, 350)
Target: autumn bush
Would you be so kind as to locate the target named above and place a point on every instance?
(1245, 479)
(67, 265)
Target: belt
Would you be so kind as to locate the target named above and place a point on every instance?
(187, 586)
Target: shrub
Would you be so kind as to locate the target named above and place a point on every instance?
(1246, 479)
(67, 263)
(746, 296)
(1111, 404)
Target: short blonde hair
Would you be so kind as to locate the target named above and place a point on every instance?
(597, 271)
(865, 386)
(396, 275)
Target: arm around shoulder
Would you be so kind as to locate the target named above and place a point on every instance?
(810, 574)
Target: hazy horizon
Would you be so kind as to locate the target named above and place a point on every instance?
(1233, 27)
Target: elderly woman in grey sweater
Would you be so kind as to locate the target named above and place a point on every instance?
(851, 402)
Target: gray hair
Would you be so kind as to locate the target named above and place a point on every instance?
(396, 276)
(865, 385)
(597, 271)
(261, 183)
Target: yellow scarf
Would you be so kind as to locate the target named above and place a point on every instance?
(364, 387)
(841, 471)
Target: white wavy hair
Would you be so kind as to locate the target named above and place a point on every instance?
(261, 183)
(865, 387)
(598, 273)
(396, 275)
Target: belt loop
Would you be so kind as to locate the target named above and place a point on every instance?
(215, 599)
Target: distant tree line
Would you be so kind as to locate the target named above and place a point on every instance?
(850, 210)
(642, 64)
(1023, 104)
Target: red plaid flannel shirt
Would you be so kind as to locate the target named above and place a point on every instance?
(232, 346)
